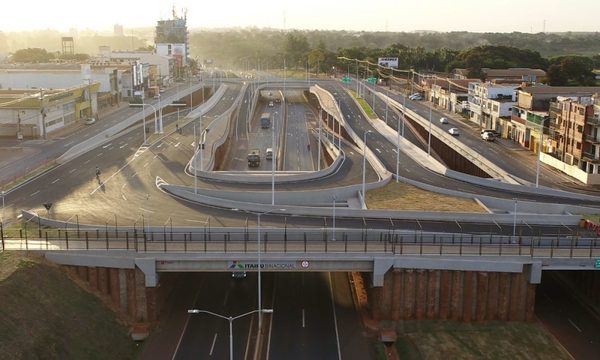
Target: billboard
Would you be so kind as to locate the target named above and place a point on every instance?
(388, 62)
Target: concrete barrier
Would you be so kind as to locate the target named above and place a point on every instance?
(107, 134)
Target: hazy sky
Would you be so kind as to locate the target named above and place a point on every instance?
(393, 15)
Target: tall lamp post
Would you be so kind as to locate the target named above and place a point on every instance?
(258, 215)
(364, 164)
(144, 118)
(230, 319)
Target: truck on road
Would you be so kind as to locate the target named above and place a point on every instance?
(265, 120)
(254, 158)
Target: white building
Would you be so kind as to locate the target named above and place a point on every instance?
(490, 105)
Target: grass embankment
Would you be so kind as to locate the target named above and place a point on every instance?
(45, 315)
(433, 340)
(400, 196)
(366, 107)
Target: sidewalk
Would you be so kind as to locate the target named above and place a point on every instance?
(22, 158)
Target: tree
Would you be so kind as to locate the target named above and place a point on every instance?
(31, 55)
(555, 76)
(296, 49)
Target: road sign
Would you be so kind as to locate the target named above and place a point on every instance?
(346, 80)
(372, 80)
(304, 264)
(597, 264)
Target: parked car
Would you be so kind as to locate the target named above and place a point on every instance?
(443, 120)
(415, 97)
(487, 136)
(453, 131)
(492, 132)
(89, 121)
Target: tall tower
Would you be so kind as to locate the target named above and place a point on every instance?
(171, 38)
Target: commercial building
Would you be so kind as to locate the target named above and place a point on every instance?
(506, 76)
(35, 113)
(574, 141)
(490, 106)
(172, 40)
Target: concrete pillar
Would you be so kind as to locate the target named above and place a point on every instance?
(82, 272)
(456, 295)
(515, 297)
(131, 297)
(492, 299)
(530, 303)
(93, 277)
(151, 310)
(421, 298)
(433, 284)
(387, 297)
(141, 313)
(375, 295)
(409, 295)
(123, 293)
(103, 280)
(503, 296)
(468, 296)
(482, 296)
(397, 294)
(445, 291)
(113, 279)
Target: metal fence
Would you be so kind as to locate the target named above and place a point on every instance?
(223, 240)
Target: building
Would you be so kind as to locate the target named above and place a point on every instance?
(490, 106)
(506, 76)
(62, 76)
(450, 94)
(35, 113)
(574, 142)
(531, 117)
(172, 40)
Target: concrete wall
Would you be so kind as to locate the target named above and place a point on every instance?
(571, 170)
(125, 290)
(409, 294)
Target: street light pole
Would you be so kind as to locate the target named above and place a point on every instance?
(319, 142)
(537, 163)
(515, 219)
(364, 165)
(258, 215)
(333, 229)
(196, 161)
(230, 319)
(273, 160)
(2, 218)
(398, 150)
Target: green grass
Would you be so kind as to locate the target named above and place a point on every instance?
(494, 340)
(45, 315)
(366, 107)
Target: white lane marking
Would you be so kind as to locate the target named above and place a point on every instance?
(186, 322)
(575, 326)
(337, 334)
(86, 162)
(35, 193)
(146, 164)
(150, 211)
(394, 150)
(159, 145)
(212, 347)
(99, 154)
(69, 143)
(379, 151)
(72, 171)
(134, 174)
(107, 145)
(177, 145)
(303, 319)
(55, 181)
(196, 221)
(122, 146)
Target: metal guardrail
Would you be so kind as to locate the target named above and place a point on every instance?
(318, 241)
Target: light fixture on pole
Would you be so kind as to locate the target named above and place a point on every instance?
(364, 164)
(258, 215)
(273, 160)
(230, 319)
(398, 150)
(515, 220)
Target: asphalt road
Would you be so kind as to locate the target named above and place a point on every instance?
(577, 329)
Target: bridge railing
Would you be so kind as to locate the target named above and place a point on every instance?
(315, 241)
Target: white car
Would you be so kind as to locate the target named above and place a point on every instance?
(453, 131)
(443, 120)
(90, 121)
